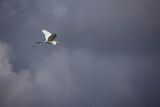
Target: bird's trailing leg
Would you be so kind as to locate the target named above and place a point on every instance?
(39, 42)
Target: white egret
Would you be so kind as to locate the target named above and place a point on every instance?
(49, 38)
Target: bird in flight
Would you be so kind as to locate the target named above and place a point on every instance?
(49, 38)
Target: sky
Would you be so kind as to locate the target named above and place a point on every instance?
(107, 55)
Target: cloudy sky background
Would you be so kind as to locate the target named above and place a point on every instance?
(107, 56)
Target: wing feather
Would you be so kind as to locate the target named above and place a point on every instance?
(46, 34)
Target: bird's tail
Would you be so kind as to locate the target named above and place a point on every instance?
(54, 42)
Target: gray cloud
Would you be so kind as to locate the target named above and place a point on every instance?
(79, 78)
(100, 26)
(108, 54)
(50, 83)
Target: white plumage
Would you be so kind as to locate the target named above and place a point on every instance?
(49, 37)
(46, 34)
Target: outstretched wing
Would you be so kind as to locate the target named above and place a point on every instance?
(46, 34)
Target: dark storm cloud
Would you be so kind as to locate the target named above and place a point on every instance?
(108, 54)
(79, 78)
(102, 26)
